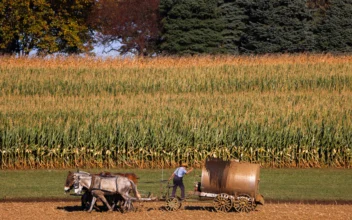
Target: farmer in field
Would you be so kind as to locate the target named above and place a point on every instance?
(177, 177)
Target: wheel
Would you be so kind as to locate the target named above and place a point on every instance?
(173, 204)
(222, 203)
(244, 203)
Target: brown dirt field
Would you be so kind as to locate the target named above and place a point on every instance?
(154, 210)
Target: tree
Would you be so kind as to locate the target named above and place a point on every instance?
(23, 25)
(234, 18)
(70, 27)
(47, 26)
(191, 27)
(134, 23)
(334, 32)
(278, 26)
(322, 4)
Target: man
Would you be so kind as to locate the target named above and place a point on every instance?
(177, 177)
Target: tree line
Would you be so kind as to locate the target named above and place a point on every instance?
(176, 27)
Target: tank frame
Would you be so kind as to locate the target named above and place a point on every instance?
(232, 185)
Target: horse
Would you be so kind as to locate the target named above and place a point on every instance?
(69, 183)
(87, 196)
(100, 186)
(70, 180)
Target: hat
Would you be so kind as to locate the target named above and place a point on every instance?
(184, 165)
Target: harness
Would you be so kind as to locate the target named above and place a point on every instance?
(92, 183)
(96, 183)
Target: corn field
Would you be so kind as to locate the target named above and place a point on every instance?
(278, 111)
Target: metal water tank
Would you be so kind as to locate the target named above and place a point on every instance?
(231, 177)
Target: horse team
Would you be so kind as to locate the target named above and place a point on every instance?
(112, 189)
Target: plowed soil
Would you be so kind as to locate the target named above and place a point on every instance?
(155, 210)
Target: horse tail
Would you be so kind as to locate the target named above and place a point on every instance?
(134, 188)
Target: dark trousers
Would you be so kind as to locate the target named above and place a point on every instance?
(178, 182)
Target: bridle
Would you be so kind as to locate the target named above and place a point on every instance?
(76, 185)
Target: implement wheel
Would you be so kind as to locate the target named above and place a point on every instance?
(222, 203)
(173, 204)
(244, 203)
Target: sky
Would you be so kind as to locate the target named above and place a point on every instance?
(101, 51)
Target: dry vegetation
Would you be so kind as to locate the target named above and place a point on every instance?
(168, 62)
(280, 111)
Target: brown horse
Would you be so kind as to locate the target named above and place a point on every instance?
(87, 196)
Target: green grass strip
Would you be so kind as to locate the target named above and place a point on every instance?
(275, 184)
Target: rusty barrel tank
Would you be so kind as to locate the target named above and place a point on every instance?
(232, 184)
(231, 177)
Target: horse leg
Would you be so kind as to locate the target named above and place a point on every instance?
(106, 203)
(128, 202)
(100, 194)
(119, 200)
(86, 201)
(111, 199)
(103, 199)
(94, 199)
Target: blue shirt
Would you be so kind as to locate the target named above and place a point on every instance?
(180, 172)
